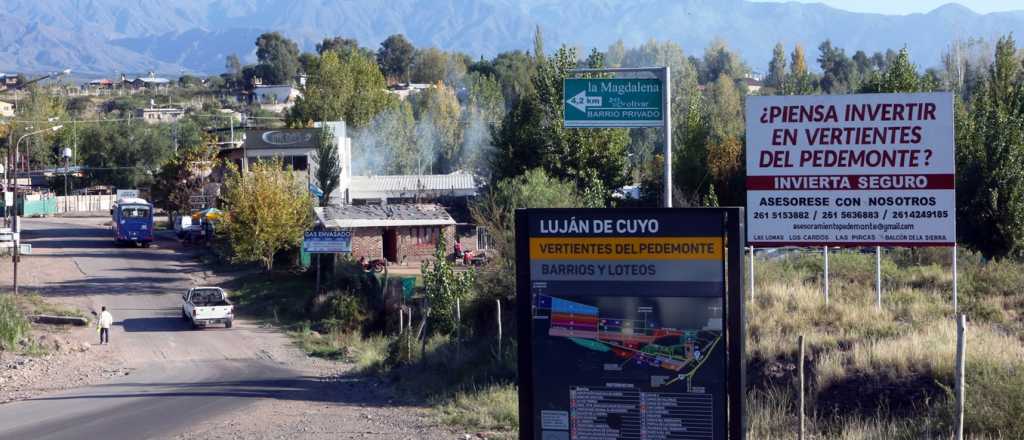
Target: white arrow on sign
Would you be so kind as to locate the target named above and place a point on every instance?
(581, 101)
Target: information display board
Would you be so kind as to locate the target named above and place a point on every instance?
(626, 328)
(613, 102)
(327, 242)
(851, 170)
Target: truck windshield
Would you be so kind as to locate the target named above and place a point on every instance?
(135, 212)
(207, 297)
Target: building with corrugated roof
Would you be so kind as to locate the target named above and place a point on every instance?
(402, 233)
(410, 188)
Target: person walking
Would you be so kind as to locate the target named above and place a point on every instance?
(103, 325)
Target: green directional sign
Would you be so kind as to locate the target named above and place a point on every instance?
(613, 102)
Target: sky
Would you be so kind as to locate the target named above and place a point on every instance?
(913, 6)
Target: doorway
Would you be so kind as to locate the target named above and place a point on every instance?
(391, 245)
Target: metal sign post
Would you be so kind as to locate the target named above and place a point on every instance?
(878, 275)
(623, 103)
(326, 242)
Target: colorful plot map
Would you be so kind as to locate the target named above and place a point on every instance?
(634, 341)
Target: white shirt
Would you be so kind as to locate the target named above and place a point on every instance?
(106, 319)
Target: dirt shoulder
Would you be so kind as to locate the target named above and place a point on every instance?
(73, 271)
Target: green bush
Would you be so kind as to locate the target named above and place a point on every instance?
(13, 325)
(994, 400)
(346, 313)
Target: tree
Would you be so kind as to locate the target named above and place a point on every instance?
(189, 81)
(214, 82)
(280, 56)
(990, 160)
(306, 62)
(725, 146)
(495, 210)
(182, 176)
(439, 130)
(533, 134)
(615, 54)
(349, 88)
(645, 144)
(838, 71)
(430, 66)
(41, 150)
(328, 164)
(719, 60)
(777, 68)
(538, 45)
(483, 115)
(233, 67)
(443, 287)
(395, 58)
(78, 106)
(514, 70)
(900, 75)
(126, 155)
(691, 171)
(799, 81)
(387, 144)
(338, 44)
(268, 211)
(483, 94)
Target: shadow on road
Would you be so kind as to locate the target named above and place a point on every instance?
(345, 390)
(110, 286)
(155, 324)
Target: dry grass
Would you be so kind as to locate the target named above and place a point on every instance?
(884, 374)
(491, 408)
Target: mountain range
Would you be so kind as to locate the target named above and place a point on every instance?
(106, 37)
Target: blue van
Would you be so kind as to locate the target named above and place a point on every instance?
(132, 221)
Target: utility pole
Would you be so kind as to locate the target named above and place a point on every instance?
(15, 226)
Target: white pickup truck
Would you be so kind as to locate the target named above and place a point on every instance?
(207, 305)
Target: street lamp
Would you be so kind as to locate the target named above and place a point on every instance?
(14, 218)
(18, 144)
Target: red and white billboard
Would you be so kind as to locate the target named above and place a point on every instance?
(851, 170)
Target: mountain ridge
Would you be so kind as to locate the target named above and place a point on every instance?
(103, 37)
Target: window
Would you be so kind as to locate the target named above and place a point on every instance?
(135, 212)
(484, 240)
(426, 236)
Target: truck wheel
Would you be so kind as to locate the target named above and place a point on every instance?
(227, 324)
(145, 244)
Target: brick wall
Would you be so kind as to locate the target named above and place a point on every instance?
(367, 242)
(412, 250)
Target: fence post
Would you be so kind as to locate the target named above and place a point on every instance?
(498, 301)
(826, 275)
(800, 368)
(878, 275)
(401, 320)
(751, 273)
(458, 329)
(956, 305)
(961, 359)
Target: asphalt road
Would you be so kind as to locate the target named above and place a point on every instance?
(180, 376)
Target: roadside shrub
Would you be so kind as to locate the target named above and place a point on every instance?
(13, 325)
(492, 407)
(995, 400)
(349, 275)
(346, 313)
